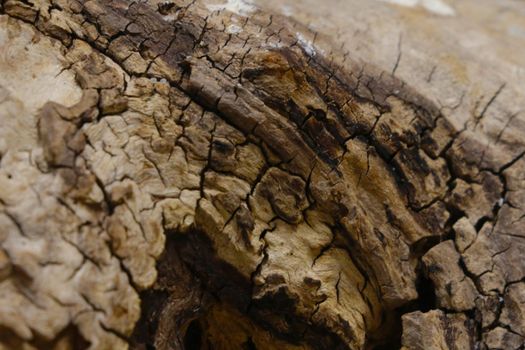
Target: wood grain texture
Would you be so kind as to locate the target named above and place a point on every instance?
(201, 175)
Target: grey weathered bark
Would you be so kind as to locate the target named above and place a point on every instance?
(200, 174)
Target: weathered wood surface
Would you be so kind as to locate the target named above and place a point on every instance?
(193, 174)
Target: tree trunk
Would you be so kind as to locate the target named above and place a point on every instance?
(286, 174)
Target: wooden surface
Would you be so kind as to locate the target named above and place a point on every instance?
(270, 175)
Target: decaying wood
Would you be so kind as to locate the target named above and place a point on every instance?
(190, 175)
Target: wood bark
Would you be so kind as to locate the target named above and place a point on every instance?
(237, 175)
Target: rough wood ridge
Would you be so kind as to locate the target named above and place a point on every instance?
(178, 177)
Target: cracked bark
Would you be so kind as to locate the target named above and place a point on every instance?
(188, 175)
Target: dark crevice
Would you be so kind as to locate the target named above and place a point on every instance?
(479, 224)
(422, 246)
(249, 345)
(193, 336)
(426, 300)
(389, 336)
